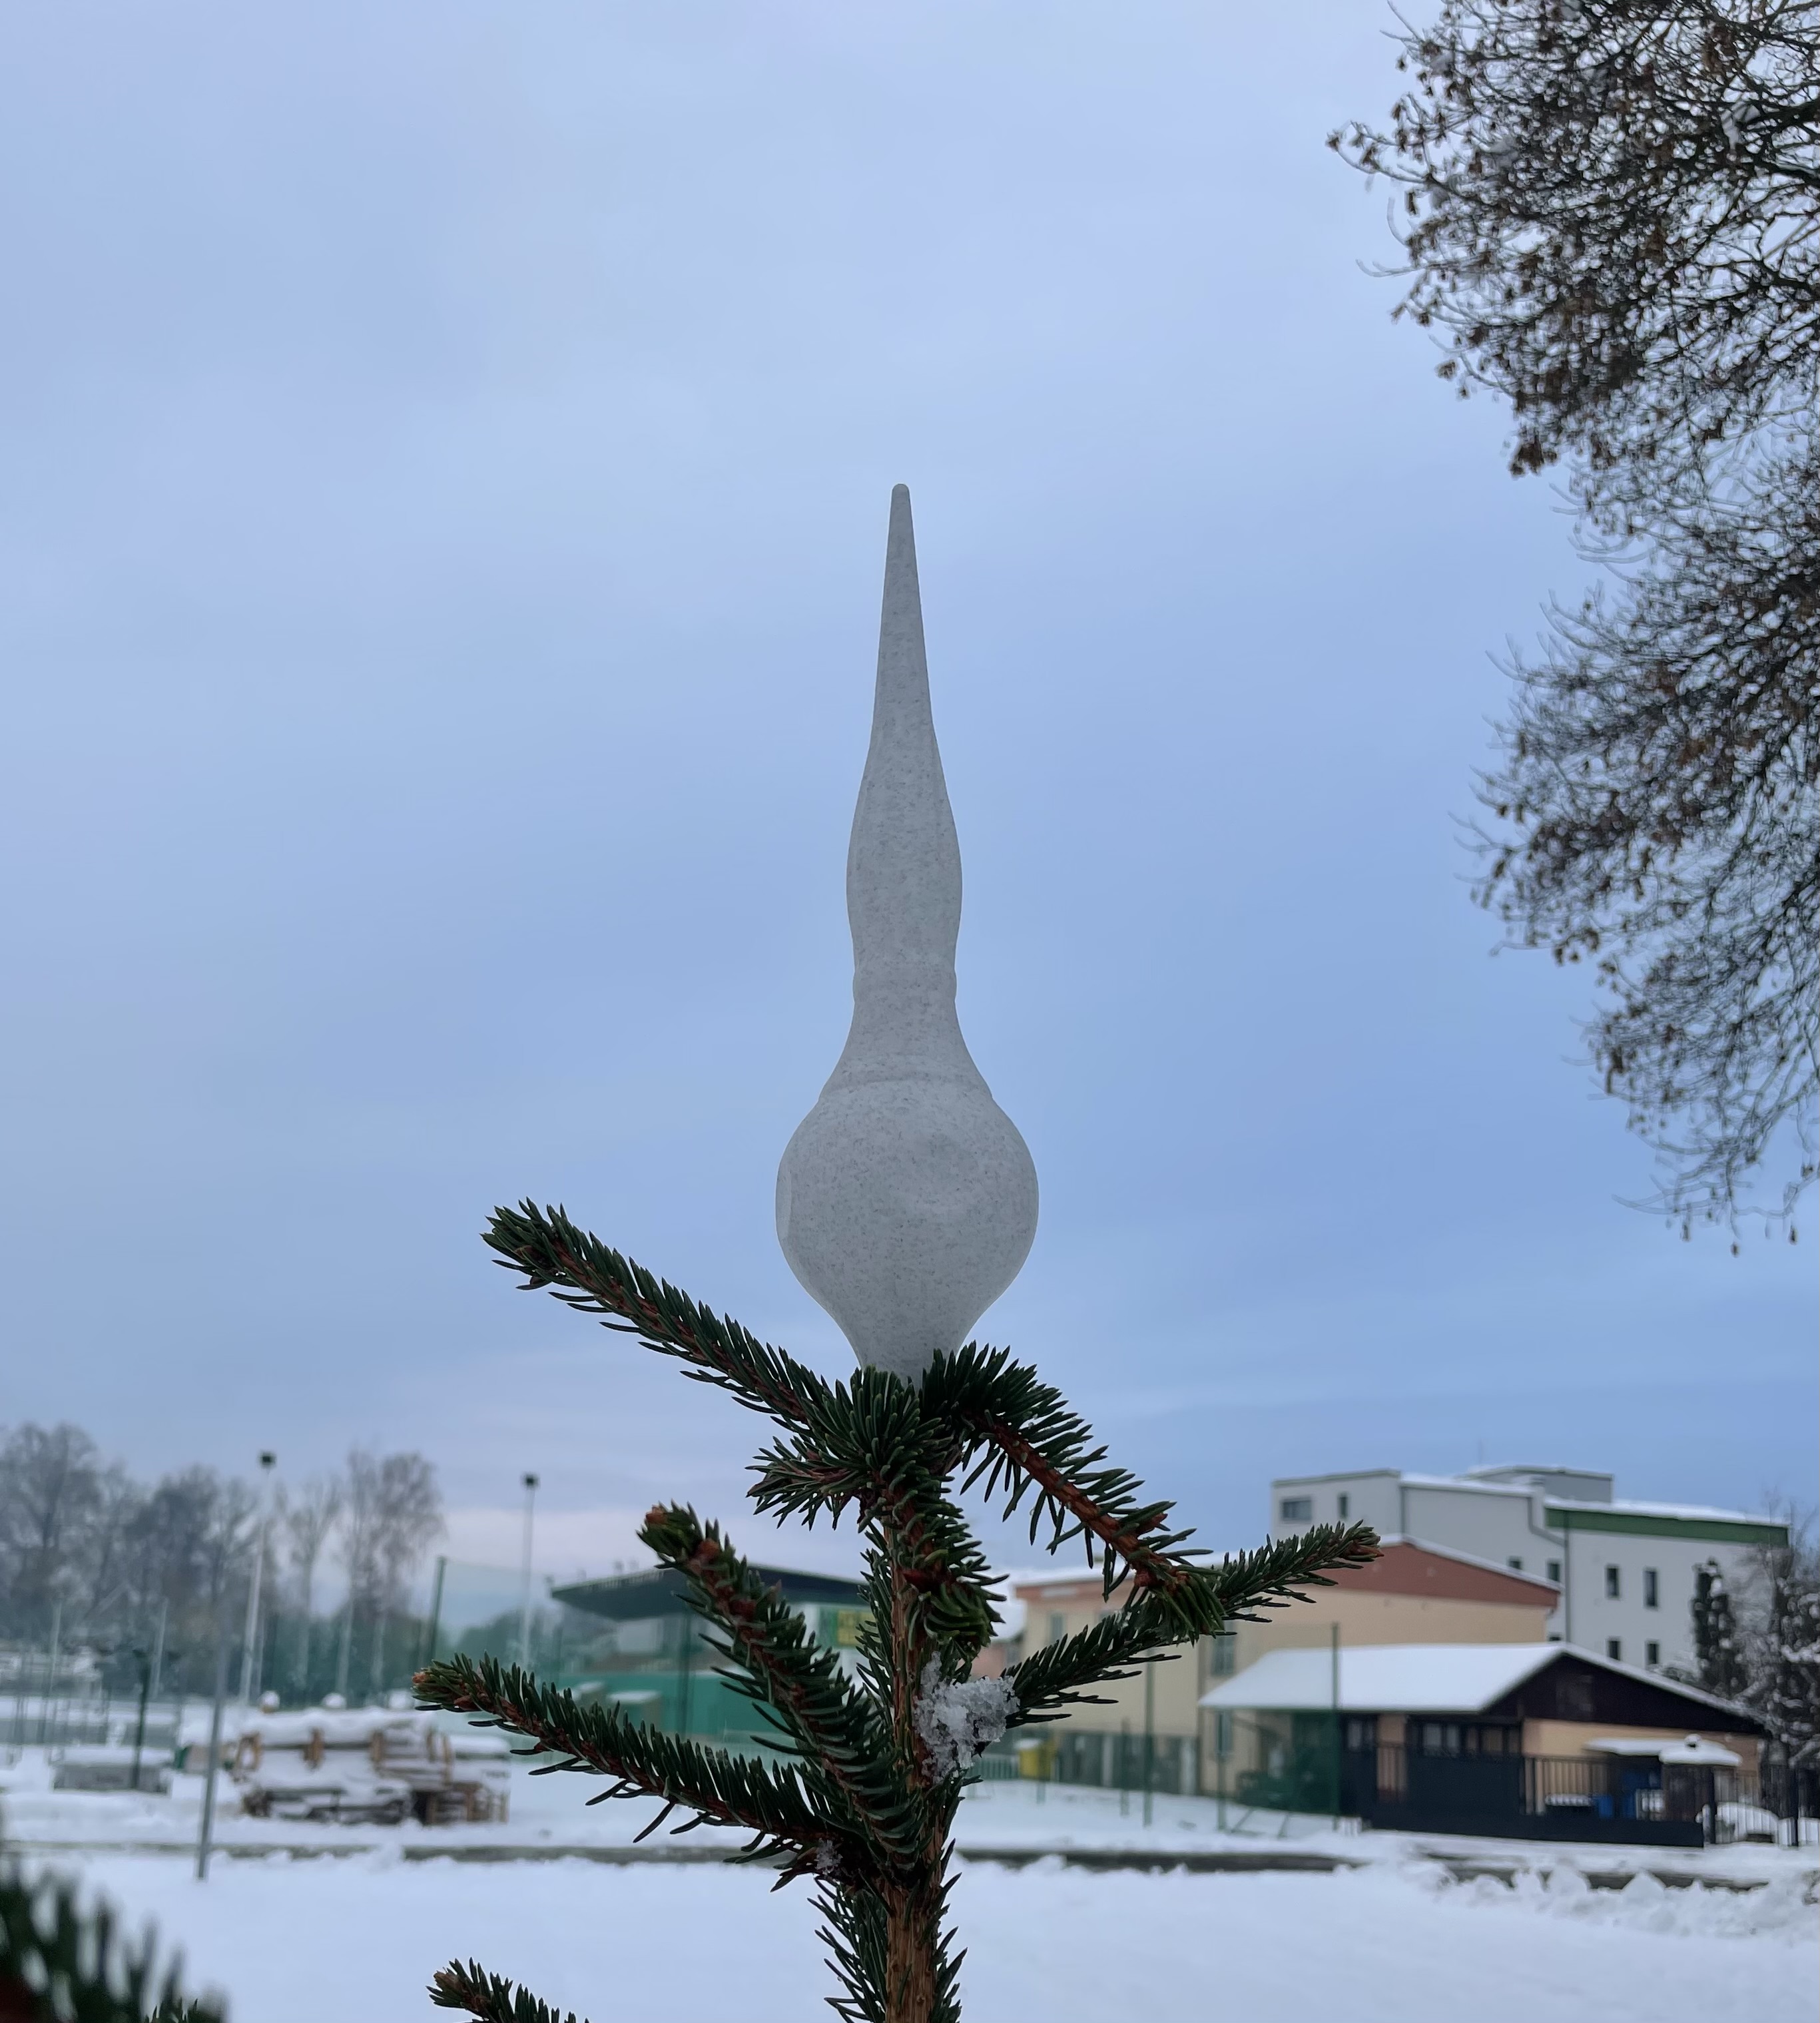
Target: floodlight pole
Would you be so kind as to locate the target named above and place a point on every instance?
(206, 1827)
(145, 1660)
(525, 1590)
(249, 1667)
(430, 1635)
(158, 1649)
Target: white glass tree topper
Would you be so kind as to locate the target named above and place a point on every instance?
(907, 1200)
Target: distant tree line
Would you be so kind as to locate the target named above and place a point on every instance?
(94, 1559)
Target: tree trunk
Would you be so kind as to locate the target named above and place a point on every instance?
(912, 1928)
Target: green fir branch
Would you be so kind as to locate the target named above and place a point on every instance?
(825, 1724)
(714, 1787)
(1058, 1675)
(854, 1933)
(490, 1998)
(551, 1253)
(1273, 1575)
(1021, 1437)
(869, 1442)
(62, 1963)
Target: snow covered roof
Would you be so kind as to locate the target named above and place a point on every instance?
(1493, 1470)
(1625, 1504)
(1471, 1480)
(1068, 1576)
(340, 1727)
(1690, 1749)
(1413, 1481)
(1411, 1678)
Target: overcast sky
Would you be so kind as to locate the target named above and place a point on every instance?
(447, 455)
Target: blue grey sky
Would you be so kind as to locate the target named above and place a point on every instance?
(448, 450)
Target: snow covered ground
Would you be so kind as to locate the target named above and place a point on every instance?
(290, 1941)
(1397, 1936)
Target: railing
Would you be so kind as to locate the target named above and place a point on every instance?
(1161, 1764)
(1597, 1797)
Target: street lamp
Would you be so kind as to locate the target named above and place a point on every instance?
(524, 1591)
(249, 1667)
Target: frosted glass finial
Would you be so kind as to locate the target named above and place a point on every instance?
(907, 1200)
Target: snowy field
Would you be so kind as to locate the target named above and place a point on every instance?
(292, 1941)
(345, 1924)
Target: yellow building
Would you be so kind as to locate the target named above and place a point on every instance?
(1413, 1594)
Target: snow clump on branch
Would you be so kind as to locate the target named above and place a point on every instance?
(957, 1719)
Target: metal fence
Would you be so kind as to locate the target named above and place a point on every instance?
(1162, 1764)
(1570, 1798)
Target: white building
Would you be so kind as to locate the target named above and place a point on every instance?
(1625, 1570)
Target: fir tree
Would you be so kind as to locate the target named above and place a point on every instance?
(1718, 1655)
(62, 1962)
(860, 1797)
(1784, 1689)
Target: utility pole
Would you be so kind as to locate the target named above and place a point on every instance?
(524, 1592)
(144, 1658)
(158, 1650)
(250, 1667)
(213, 1769)
(429, 1634)
(1334, 1694)
(1149, 1734)
(51, 1674)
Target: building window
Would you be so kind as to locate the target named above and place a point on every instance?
(1651, 1588)
(1516, 1563)
(1296, 1509)
(1554, 1571)
(1614, 1649)
(1222, 1733)
(1613, 1586)
(1346, 1506)
(1058, 1628)
(1226, 1656)
(1652, 1656)
(1361, 1731)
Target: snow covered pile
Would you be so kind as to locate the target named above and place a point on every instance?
(1782, 1909)
(956, 1719)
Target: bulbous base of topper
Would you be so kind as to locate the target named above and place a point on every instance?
(905, 1207)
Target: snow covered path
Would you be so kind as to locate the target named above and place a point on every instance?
(356, 1939)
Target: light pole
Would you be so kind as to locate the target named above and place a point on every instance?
(205, 1826)
(144, 1659)
(249, 1667)
(525, 1590)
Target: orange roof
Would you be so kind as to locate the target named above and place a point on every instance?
(1406, 1568)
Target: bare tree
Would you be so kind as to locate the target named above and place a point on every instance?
(408, 1515)
(106, 1571)
(1611, 214)
(392, 1508)
(307, 1515)
(51, 1499)
(360, 1513)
